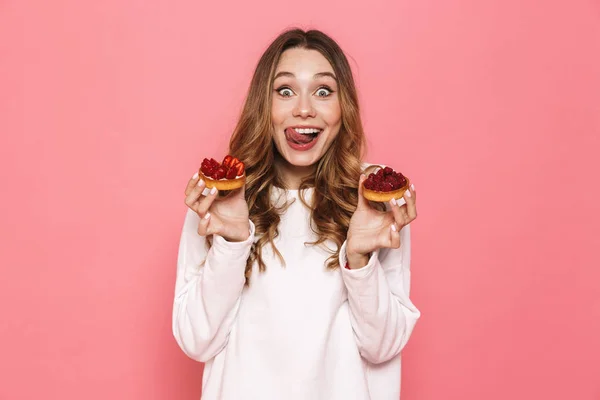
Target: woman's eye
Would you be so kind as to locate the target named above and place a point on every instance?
(285, 92)
(323, 92)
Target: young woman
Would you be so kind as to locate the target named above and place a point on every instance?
(295, 287)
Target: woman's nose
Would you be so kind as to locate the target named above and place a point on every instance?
(304, 108)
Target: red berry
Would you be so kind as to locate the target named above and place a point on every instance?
(231, 174)
(239, 168)
(230, 168)
(227, 161)
(220, 173)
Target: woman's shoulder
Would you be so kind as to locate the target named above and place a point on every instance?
(371, 166)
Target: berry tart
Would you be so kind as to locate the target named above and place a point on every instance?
(384, 185)
(228, 175)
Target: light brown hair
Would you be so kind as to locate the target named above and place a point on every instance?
(336, 178)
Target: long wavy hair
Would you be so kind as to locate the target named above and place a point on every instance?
(335, 181)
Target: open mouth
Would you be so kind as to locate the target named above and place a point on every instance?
(302, 138)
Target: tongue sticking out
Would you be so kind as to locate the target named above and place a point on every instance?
(299, 138)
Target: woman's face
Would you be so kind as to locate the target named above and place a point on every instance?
(306, 113)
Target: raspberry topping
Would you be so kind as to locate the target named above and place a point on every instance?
(385, 180)
(230, 168)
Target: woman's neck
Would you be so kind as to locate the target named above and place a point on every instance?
(293, 175)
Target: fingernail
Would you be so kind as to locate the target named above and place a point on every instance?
(207, 216)
(412, 186)
(408, 194)
(394, 227)
(200, 182)
(393, 201)
(195, 176)
(213, 190)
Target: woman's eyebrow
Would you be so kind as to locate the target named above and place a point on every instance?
(323, 74)
(317, 75)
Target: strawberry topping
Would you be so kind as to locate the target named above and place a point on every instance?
(230, 168)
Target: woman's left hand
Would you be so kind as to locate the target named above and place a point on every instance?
(371, 229)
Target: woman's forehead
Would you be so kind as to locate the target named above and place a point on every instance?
(303, 62)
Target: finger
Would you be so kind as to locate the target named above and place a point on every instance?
(411, 203)
(405, 215)
(394, 236)
(191, 199)
(397, 213)
(205, 203)
(203, 225)
(362, 202)
(191, 183)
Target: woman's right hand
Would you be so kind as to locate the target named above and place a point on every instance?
(225, 216)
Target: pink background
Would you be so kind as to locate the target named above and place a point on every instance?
(491, 107)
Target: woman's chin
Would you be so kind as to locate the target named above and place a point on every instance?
(298, 158)
(306, 159)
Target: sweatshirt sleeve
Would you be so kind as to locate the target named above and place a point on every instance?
(208, 287)
(381, 313)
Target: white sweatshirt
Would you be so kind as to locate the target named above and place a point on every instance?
(299, 332)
